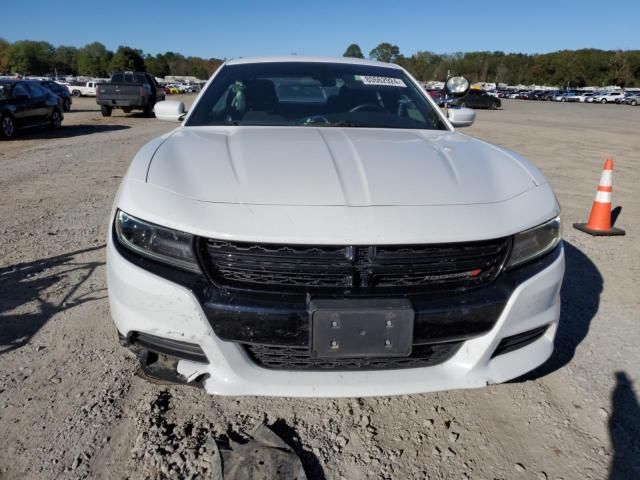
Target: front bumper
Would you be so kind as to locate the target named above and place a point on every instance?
(144, 302)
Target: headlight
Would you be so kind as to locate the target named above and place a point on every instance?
(535, 242)
(155, 242)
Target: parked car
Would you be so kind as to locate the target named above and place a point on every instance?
(439, 96)
(573, 97)
(590, 99)
(549, 95)
(608, 97)
(271, 248)
(477, 99)
(581, 97)
(26, 104)
(569, 97)
(87, 89)
(64, 96)
(129, 91)
(623, 97)
(632, 99)
(171, 90)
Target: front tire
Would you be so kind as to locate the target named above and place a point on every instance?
(66, 105)
(7, 128)
(633, 103)
(55, 121)
(76, 93)
(603, 101)
(105, 110)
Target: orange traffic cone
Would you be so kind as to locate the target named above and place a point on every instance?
(600, 218)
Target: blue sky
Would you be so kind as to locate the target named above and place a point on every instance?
(227, 29)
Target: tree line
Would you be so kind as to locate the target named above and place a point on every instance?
(29, 57)
(572, 68)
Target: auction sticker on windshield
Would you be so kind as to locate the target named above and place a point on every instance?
(384, 81)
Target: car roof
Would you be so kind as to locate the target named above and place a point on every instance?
(301, 58)
(14, 80)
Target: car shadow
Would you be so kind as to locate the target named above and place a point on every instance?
(580, 299)
(82, 110)
(624, 429)
(67, 131)
(45, 287)
(310, 462)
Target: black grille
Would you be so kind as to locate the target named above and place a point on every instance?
(305, 268)
(298, 358)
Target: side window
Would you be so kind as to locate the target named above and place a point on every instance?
(20, 89)
(36, 90)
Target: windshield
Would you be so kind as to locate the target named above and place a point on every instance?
(314, 94)
(5, 90)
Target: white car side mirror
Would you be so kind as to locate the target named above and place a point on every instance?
(461, 117)
(170, 111)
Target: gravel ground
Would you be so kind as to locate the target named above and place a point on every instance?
(72, 407)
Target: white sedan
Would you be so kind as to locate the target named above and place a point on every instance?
(318, 227)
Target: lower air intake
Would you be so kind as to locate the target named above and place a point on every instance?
(514, 342)
(298, 358)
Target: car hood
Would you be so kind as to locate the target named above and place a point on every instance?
(336, 167)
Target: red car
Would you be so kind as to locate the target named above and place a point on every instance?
(438, 96)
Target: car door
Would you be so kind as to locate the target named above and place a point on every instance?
(484, 99)
(40, 108)
(473, 99)
(55, 89)
(25, 113)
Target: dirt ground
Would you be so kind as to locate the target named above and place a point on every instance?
(71, 406)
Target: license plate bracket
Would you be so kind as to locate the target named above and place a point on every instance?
(361, 328)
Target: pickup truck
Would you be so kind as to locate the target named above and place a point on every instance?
(129, 91)
(86, 90)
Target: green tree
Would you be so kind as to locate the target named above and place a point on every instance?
(127, 58)
(93, 60)
(65, 60)
(385, 52)
(353, 51)
(4, 51)
(157, 66)
(29, 57)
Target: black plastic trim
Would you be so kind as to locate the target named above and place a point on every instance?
(174, 348)
(284, 320)
(299, 358)
(168, 346)
(515, 342)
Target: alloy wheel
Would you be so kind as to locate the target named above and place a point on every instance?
(8, 128)
(55, 119)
